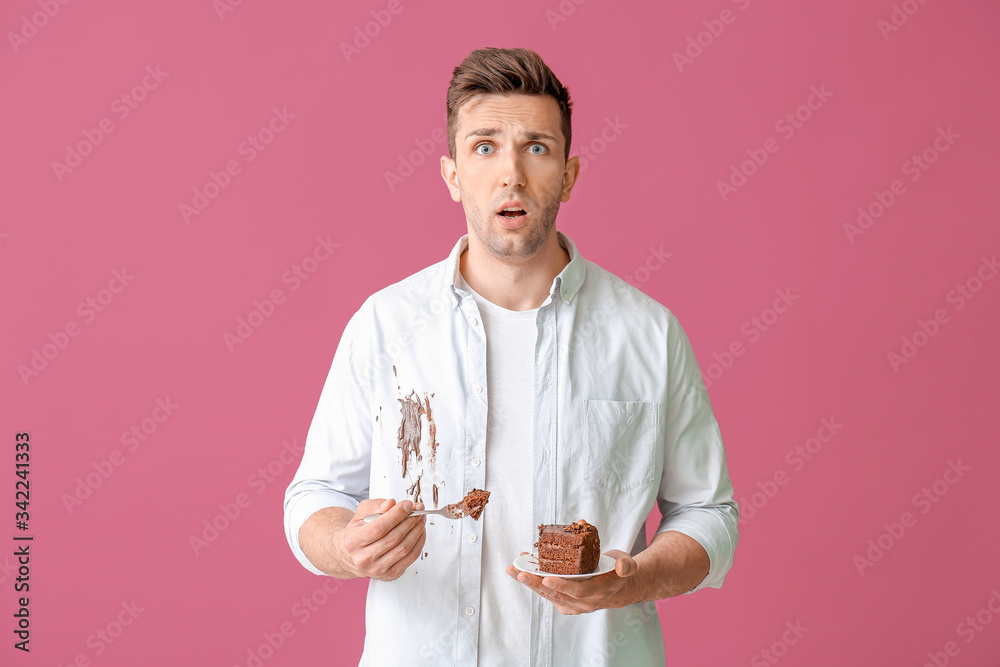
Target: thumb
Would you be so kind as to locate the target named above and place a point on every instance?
(625, 565)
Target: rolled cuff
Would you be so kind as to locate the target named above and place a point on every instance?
(302, 506)
(715, 529)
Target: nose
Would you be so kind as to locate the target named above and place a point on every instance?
(513, 170)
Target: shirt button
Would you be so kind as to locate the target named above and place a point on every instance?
(472, 537)
(469, 611)
(478, 389)
(475, 462)
(474, 322)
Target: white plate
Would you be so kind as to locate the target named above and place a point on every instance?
(529, 563)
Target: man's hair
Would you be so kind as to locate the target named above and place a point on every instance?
(505, 72)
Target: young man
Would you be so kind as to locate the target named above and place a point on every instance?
(519, 367)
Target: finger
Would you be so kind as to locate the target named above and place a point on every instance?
(528, 579)
(405, 532)
(381, 527)
(536, 584)
(371, 506)
(558, 585)
(399, 567)
(570, 590)
(396, 559)
(564, 603)
(625, 567)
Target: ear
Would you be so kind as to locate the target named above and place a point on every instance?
(570, 174)
(449, 172)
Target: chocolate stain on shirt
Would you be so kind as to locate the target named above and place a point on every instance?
(431, 427)
(411, 409)
(408, 437)
(409, 430)
(414, 489)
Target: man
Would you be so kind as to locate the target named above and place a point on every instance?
(518, 367)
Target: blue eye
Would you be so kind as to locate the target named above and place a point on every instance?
(543, 149)
(476, 149)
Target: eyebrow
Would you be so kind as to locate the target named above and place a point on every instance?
(493, 131)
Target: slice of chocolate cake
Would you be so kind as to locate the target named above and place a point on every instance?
(572, 549)
(472, 504)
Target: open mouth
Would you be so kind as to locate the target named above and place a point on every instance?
(512, 212)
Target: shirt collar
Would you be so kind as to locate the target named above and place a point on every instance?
(566, 284)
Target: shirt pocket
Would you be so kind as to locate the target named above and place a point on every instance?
(620, 441)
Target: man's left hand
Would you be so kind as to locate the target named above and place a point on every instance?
(606, 591)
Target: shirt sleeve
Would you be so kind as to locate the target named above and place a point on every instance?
(336, 463)
(695, 495)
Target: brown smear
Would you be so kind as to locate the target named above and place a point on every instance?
(409, 430)
(411, 409)
(431, 428)
(414, 489)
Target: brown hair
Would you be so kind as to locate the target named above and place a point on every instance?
(504, 72)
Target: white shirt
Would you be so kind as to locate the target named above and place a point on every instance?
(621, 420)
(507, 527)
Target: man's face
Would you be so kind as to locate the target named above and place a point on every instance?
(509, 152)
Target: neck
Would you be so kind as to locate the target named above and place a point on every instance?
(514, 285)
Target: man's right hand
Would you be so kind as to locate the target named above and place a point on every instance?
(384, 548)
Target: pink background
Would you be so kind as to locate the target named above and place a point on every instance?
(654, 184)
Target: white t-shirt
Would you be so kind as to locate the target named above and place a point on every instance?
(507, 523)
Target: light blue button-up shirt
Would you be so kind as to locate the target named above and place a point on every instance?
(622, 420)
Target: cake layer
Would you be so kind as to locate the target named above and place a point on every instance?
(568, 549)
(472, 505)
